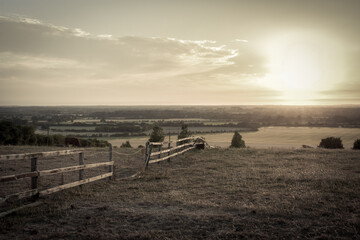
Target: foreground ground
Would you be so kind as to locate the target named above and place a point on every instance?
(216, 194)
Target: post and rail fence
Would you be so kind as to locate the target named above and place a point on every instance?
(182, 145)
(34, 174)
(154, 153)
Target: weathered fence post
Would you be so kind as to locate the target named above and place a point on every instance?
(34, 180)
(159, 156)
(111, 169)
(81, 162)
(148, 156)
(169, 146)
(146, 150)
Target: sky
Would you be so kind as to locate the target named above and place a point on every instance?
(189, 52)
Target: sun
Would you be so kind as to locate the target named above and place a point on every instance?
(300, 67)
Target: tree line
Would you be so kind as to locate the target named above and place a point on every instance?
(14, 134)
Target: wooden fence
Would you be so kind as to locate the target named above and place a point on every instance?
(182, 145)
(34, 174)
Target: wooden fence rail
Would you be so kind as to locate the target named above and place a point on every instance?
(182, 145)
(35, 173)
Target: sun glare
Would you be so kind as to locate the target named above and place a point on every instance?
(300, 67)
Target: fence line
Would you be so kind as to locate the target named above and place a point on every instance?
(182, 145)
(35, 174)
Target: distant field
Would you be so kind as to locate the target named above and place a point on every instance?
(278, 137)
(211, 194)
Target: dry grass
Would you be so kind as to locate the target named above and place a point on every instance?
(217, 194)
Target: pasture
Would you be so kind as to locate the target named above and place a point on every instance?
(267, 137)
(210, 194)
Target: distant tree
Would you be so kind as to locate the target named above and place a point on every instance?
(331, 142)
(237, 141)
(184, 132)
(126, 145)
(157, 134)
(356, 144)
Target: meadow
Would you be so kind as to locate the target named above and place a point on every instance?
(267, 137)
(208, 194)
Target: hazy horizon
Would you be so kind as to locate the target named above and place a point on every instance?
(184, 53)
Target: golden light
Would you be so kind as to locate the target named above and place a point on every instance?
(301, 66)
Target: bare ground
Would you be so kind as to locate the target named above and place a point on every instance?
(211, 194)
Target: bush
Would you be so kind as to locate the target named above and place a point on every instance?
(184, 132)
(12, 134)
(237, 141)
(126, 145)
(157, 134)
(331, 142)
(356, 144)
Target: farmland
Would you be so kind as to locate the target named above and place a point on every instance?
(267, 137)
(216, 193)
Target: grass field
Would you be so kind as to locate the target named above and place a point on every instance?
(267, 137)
(210, 194)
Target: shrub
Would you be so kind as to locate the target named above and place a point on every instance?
(157, 134)
(356, 144)
(237, 141)
(126, 145)
(184, 132)
(331, 142)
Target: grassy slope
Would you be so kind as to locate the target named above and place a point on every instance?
(218, 193)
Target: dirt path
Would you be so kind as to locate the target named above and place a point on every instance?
(217, 194)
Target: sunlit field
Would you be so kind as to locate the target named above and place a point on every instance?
(278, 137)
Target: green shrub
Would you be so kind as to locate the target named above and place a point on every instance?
(157, 134)
(356, 144)
(237, 141)
(184, 132)
(331, 142)
(126, 145)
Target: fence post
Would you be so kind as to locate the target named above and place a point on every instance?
(169, 146)
(159, 156)
(81, 162)
(34, 180)
(148, 156)
(111, 168)
(146, 150)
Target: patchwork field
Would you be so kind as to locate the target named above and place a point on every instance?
(266, 137)
(210, 194)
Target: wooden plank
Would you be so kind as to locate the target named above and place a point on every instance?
(73, 168)
(40, 154)
(53, 171)
(74, 184)
(184, 139)
(170, 156)
(34, 204)
(171, 149)
(156, 143)
(18, 176)
(20, 195)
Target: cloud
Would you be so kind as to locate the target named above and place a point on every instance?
(241, 40)
(55, 60)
